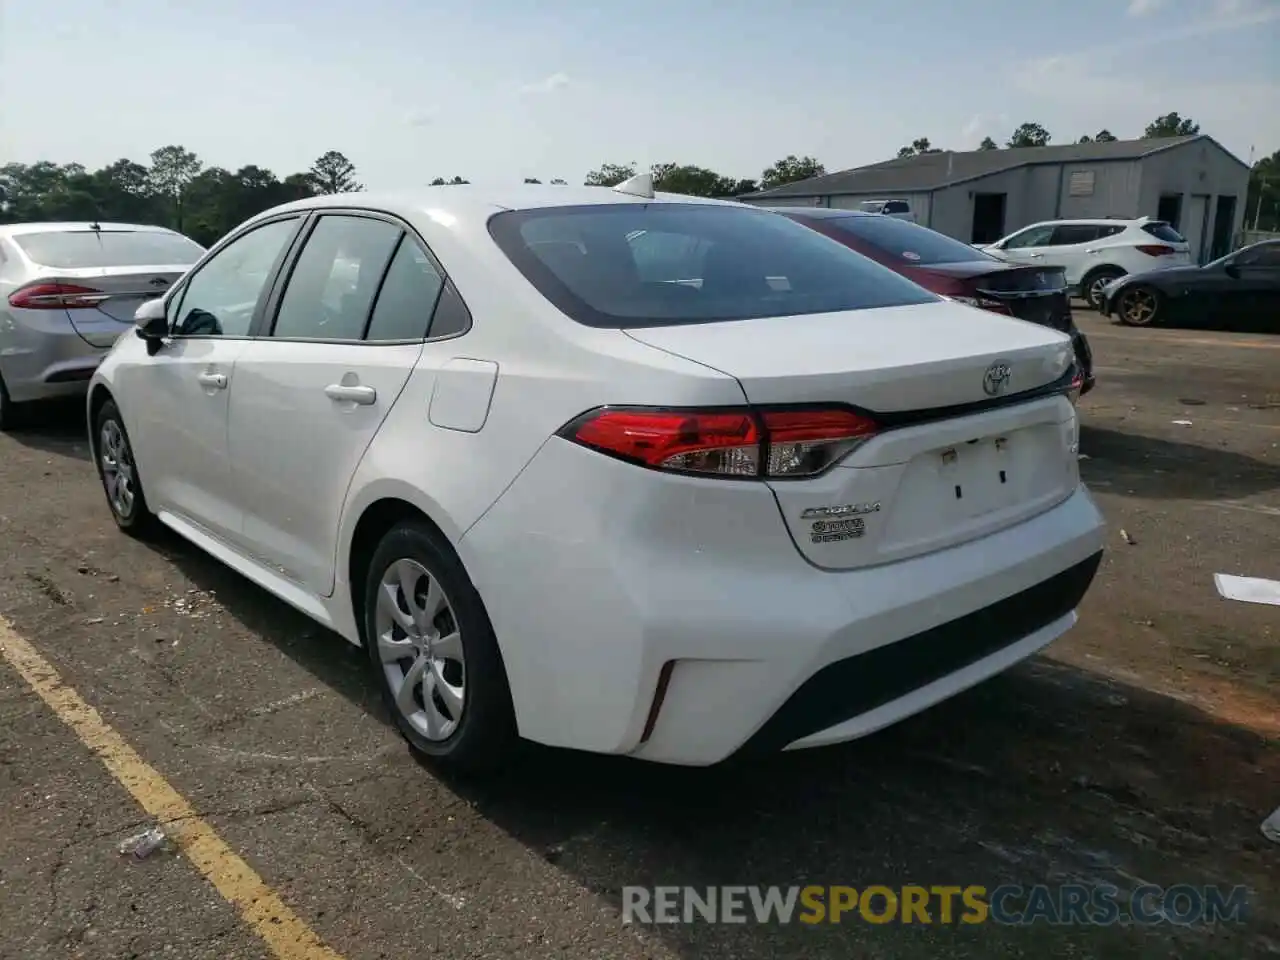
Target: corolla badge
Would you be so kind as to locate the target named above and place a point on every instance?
(996, 380)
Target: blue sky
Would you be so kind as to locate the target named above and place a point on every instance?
(496, 90)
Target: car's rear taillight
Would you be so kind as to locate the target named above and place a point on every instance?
(1077, 385)
(54, 296)
(742, 443)
(1156, 249)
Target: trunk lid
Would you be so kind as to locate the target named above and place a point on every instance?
(886, 360)
(932, 477)
(101, 317)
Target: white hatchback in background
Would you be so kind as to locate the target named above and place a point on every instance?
(1095, 252)
(67, 291)
(559, 489)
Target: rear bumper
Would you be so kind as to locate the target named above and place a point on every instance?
(42, 364)
(700, 595)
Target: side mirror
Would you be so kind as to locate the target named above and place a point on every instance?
(151, 324)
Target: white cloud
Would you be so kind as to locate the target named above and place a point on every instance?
(422, 116)
(1140, 8)
(547, 84)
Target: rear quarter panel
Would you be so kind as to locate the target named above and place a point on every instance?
(549, 370)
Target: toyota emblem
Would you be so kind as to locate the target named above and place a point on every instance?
(996, 380)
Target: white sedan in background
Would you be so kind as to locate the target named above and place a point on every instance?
(635, 474)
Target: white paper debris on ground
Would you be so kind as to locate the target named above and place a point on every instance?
(1248, 589)
(1271, 826)
(1183, 423)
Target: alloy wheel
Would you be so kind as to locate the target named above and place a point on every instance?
(1096, 288)
(117, 469)
(1138, 307)
(420, 648)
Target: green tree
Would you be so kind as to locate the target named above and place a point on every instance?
(557, 182)
(694, 181)
(172, 169)
(532, 180)
(1104, 136)
(917, 147)
(1029, 135)
(334, 173)
(610, 175)
(1262, 206)
(790, 169)
(1170, 125)
(988, 144)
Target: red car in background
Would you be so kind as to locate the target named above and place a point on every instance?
(955, 270)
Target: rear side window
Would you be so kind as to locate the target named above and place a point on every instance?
(408, 296)
(897, 206)
(332, 285)
(1162, 231)
(655, 264)
(905, 242)
(109, 248)
(1068, 234)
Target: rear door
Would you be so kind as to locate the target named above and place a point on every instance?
(337, 347)
(1069, 248)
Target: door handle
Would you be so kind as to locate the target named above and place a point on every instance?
(1035, 256)
(341, 392)
(216, 380)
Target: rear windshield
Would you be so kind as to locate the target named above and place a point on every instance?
(659, 264)
(906, 242)
(1162, 231)
(109, 248)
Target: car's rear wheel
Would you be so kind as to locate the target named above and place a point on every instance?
(119, 473)
(433, 652)
(1095, 282)
(1138, 306)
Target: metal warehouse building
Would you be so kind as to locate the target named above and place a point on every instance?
(980, 196)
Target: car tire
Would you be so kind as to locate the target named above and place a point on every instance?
(1093, 283)
(9, 411)
(1139, 306)
(456, 710)
(113, 455)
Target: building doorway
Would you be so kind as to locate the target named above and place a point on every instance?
(1224, 220)
(988, 217)
(1169, 209)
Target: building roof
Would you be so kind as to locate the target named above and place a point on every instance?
(931, 171)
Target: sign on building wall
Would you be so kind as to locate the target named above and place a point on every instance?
(1081, 184)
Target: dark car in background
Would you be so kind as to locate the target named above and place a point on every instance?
(1241, 288)
(956, 270)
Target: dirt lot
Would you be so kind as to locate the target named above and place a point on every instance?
(1145, 748)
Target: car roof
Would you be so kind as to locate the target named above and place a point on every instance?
(480, 200)
(1097, 222)
(77, 226)
(821, 213)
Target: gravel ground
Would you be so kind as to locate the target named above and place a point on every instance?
(1142, 748)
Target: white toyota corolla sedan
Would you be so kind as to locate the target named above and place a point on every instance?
(635, 474)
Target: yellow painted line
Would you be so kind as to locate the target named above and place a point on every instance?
(285, 934)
